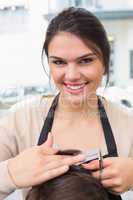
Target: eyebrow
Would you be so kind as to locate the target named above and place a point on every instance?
(83, 56)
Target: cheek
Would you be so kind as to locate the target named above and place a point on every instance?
(94, 74)
(57, 75)
(99, 75)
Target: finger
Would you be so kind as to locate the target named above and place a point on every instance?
(47, 146)
(49, 141)
(113, 184)
(96, 174)
(116, 190)
(105, 173)
(110, 183)
(63, 158)
(50, 158)
(53, 173)
(112, 190)
(48, 151)
(73, 159)
(94, 165)
(53, 165)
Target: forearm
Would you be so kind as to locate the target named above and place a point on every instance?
(6, 184)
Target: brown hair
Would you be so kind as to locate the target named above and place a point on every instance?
(76, 184)
(86, 26)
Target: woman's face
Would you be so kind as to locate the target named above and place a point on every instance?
(76, 70)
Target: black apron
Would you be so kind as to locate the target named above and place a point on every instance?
(108, 134)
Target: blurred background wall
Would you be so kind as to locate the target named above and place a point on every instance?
(23, 25)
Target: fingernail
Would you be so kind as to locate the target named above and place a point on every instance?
(65, 167)
(55, 146)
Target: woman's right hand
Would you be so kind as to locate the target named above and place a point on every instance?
(39, 164)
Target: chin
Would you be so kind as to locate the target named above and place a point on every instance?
(75, 100)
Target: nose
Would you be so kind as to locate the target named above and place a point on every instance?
(72, 72)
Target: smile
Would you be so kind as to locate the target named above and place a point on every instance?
(74, 88)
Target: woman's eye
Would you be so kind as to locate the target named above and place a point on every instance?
(86, 60)
(58, 62)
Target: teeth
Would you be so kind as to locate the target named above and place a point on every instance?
(75, 87)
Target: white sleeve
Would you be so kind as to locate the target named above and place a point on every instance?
(8, 149)
(6, 184)
(18, 131)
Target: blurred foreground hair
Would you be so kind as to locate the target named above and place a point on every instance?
(76, 184)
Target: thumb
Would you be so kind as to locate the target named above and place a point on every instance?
(49, 141)
(46, 148)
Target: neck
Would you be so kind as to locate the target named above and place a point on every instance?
(88, 107)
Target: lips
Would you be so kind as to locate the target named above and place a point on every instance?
(74, 88)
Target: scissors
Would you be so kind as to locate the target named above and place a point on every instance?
(89, 156)
(100, 164)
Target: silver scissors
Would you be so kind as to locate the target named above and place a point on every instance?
(93, 155)
(100, 164)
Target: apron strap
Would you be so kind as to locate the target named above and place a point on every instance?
(48, 122)
(108, 134)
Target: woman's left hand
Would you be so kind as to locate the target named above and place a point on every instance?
(116, 175)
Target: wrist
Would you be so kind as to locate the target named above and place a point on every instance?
(6, 183)
(131, 178)
(10, 168)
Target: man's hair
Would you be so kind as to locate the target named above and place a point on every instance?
(76, 184)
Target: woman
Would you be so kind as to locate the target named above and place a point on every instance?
(78, 53)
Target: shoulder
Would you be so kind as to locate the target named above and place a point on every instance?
(30, 104)
(121, 121)
(119, 116)
(29, 112)
(117, 110)
(19, 126)
(24, 120)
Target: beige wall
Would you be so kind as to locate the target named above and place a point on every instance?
(122, 31)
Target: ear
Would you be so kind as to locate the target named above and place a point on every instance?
(103, 70)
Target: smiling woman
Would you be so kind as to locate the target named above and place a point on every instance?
(77, 72)
(78, 53)
(76, 48)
